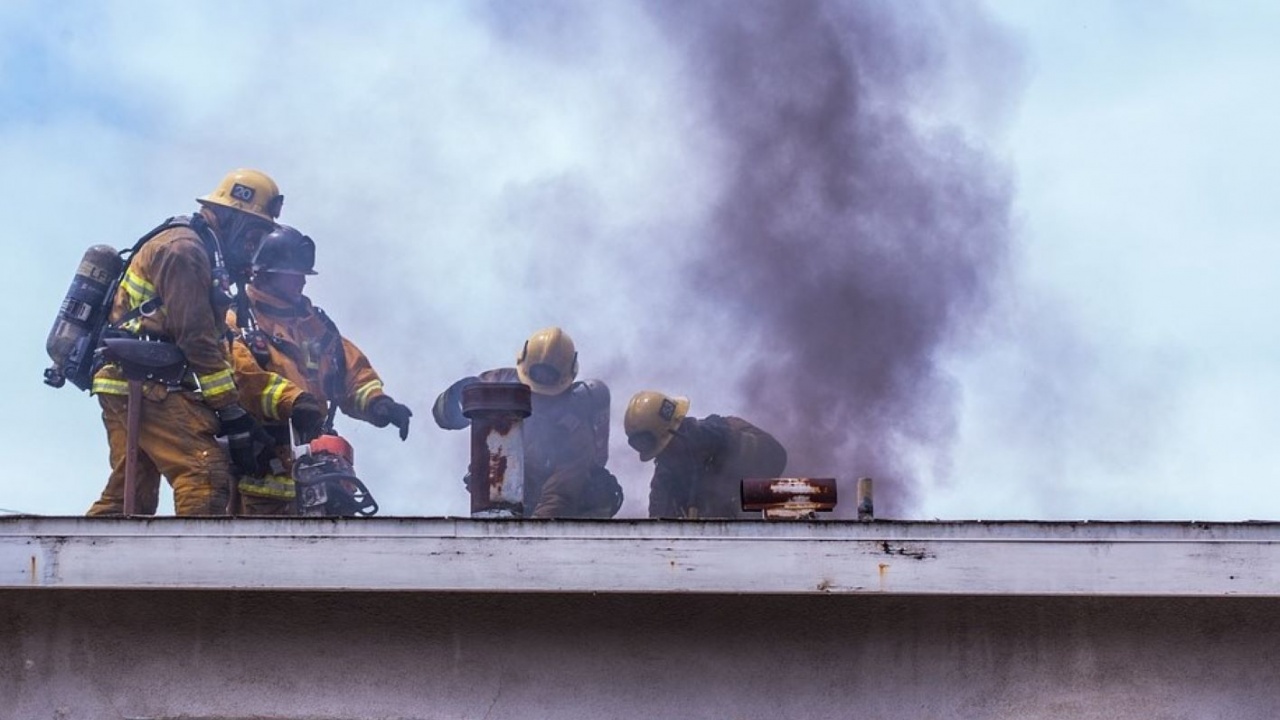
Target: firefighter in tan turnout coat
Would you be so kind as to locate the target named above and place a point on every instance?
(176, 290)
(297, 341)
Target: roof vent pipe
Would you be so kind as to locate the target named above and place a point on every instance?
(496, 480)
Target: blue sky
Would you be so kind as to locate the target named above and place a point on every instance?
(1145, 151)
(443, 155)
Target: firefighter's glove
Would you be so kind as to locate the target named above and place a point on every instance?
(245, 438)
(307, 418)
(385, 411)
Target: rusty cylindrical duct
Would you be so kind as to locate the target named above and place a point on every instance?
(866, 505)
(789, 498)
(497, 412)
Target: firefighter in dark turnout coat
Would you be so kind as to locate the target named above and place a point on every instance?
(699, 464)
(566, 439)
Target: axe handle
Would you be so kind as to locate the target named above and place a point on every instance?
(233, 493)
(133, 423)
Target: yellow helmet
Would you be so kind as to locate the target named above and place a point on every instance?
(248, 191)
(548, 363)
(651, 420)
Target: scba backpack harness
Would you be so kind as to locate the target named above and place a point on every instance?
(81, 332)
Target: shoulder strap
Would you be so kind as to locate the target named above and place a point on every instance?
(336, 383)
(259, 344)
(155, 303)
(595, 412)
(175, 221)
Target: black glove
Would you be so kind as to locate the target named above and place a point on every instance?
(385, 411)
(307, 417)
(245, 438)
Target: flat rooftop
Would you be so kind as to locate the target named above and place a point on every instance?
(1004, 558)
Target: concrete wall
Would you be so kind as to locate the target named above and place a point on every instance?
(452, 618)
(104, 654)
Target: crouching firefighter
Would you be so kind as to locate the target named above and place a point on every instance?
(699, 463)
(279, 327)
(166, 384)
(566, 439)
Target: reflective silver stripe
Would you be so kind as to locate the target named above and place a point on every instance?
(363, 393)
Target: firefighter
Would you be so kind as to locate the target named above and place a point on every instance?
(296, 340)
(699, 463)
(176, 290)
(566, 438)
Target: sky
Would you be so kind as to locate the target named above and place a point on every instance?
(1009, 259)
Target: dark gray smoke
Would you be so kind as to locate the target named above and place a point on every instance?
(849, 246)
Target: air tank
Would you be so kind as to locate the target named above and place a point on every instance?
(80, 317)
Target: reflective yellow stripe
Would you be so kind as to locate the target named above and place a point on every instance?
(109, 386)
(272, 486)
(272, 396)
(216, 384)
(363, 392)
(138, 288)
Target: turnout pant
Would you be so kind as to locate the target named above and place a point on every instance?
(176, 439)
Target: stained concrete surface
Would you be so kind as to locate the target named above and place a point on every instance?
(94, 655)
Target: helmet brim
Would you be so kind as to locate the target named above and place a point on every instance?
(682, 411)
(211, 200)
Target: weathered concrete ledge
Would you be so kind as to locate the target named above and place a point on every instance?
(823, 557)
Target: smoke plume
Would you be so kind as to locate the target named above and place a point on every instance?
(850, 245)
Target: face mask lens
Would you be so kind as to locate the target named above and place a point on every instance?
(544, 374)
(251, 238)
(642, 442)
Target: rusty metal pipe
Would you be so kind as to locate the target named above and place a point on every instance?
(789, 498)
(497, 412)
(866, 507)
